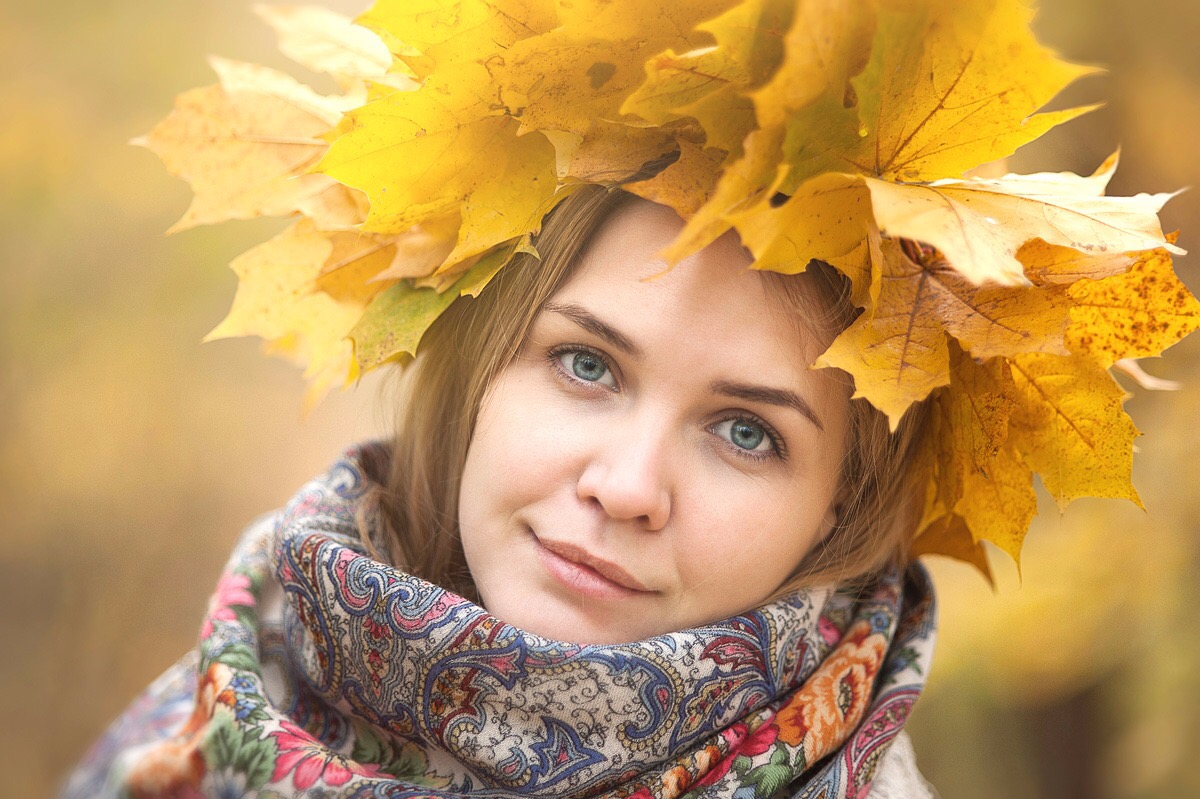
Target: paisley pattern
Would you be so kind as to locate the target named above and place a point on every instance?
(322, 672)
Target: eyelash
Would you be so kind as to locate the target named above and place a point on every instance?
(554, 356)
(778, 450)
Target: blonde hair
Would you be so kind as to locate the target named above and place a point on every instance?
(443, 389)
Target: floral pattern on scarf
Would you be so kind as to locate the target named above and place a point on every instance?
(322, 672)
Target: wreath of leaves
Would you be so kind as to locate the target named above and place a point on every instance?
(837, 130)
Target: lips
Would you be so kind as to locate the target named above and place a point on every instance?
(585, 572)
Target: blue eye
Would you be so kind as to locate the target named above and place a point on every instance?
(588, 367)
(745, 434)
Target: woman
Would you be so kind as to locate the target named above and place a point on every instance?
(645, 458)
(626, 540)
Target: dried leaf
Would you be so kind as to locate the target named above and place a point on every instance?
(980, 224)
(1132, 315)
(436, 161)
(710, 84)
(860, 265)
(948, 535)
(978, 481)
(284, 298)
(392, 326)
(611, 154)
(1050, 263)
(1070, 428)
(967, 425)
(900, 354)
(976, 409)
(938, 96)
(998, 505)
(686, 184)
(429, 33)
(325, 41)
(596, 58)
(676, 86)
(245, 146)
(422, 249)
(742, 184)
(826, 219)
(827, 42)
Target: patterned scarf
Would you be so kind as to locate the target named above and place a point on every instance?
(322, 672)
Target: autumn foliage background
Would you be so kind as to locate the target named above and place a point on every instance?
(131, 456)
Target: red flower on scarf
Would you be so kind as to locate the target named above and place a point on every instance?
(740, 743)
(313, 761)
(232, 589)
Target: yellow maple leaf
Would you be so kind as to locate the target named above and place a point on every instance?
(998, 504)
(436, 161)
(246, 145)
(939, 95)
(827, 42)
(975, 410)
(426, 34)
(686, 184)
(829, 217)
(325, 41)
(828, 220)
(446, 147)
(1132, 315)
(900, 352)
(1070, 428)
(1051, 263)
(612, 153)
(710, 84)
(725, 114)
(966, 430)
(421, 250)
(981, 224)
(578, 60)
(469, 139)
(742, 183)
(391, 327)
(286, 297)
(949, 536)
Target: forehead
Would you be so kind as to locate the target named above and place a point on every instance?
(711, 297)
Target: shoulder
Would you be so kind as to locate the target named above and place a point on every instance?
(898, 776)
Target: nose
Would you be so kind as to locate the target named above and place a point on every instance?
(629, 477)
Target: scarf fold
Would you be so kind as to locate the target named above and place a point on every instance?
(323, 672)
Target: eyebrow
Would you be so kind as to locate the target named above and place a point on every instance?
(770, 396)
(594, 325)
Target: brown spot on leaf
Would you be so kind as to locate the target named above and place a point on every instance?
(601, 73)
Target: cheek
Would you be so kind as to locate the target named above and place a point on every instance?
(754, 532)
(523, 447)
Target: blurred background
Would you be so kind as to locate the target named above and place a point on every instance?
(131, 456)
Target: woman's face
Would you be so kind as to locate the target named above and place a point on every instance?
(658, 455)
